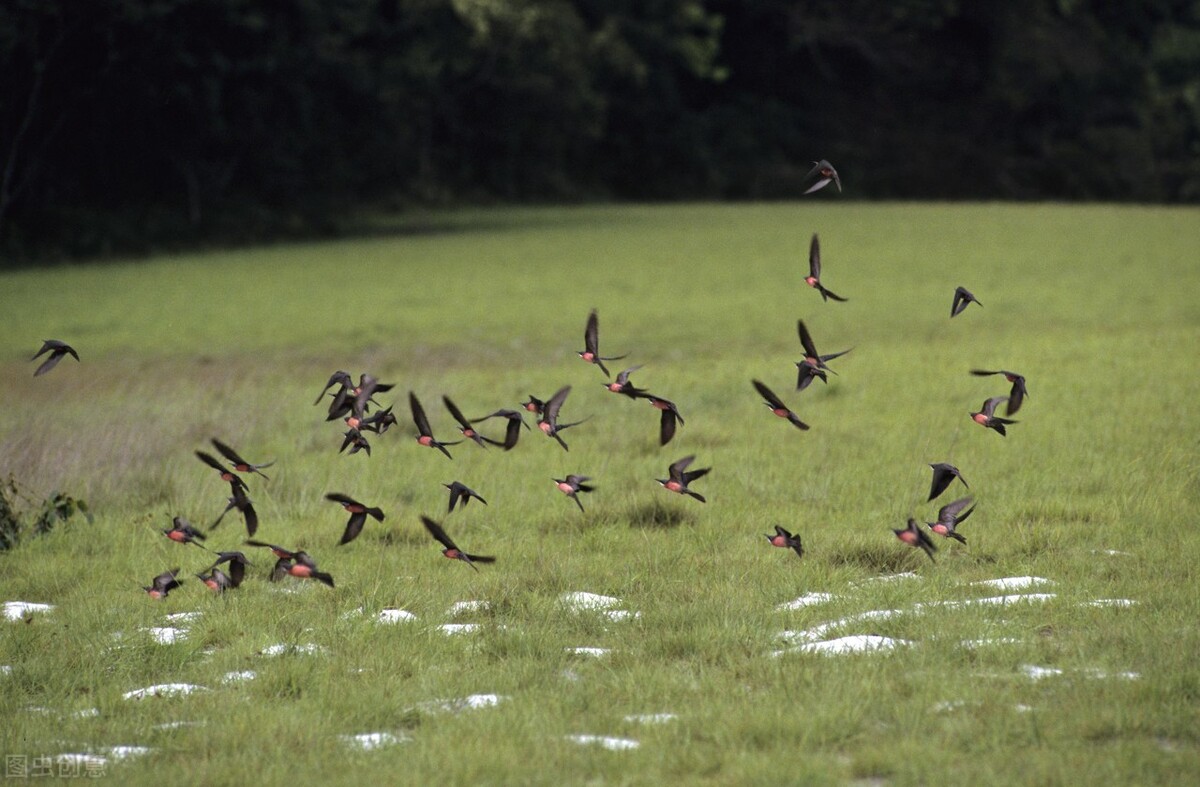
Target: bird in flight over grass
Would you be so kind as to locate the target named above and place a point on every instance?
(303, 566)
(813, 364)
(182, 532)
(572, 485)
(1018, 393)
(915, 537)
(57, 350)
(778, 407)
(825, 173)
(549, 421)
(962, 297)
(228, 476)
(339, 377)
(238, 463)
(451, 551)
(358, 515)
(162, 584)
(461, 493)
(813, 279)
(985, 417)
(624, 387)
(245, 506)
(591, 344)
(216, 580)
(783, 538)
(678, 478)
(237, 566)
(670, 417)
(513, 430)
(464, 425)
(949, 518)
(426, 434)
(943, 476)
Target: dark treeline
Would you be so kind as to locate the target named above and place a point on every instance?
(134, 124)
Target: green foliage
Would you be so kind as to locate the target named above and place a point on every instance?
(55, 509)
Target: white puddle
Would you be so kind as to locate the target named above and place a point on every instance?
(368, 741)
(995, 601)
(19, 610)
(163, 690)
(650, 718)
(1039, 673)
(5, 669)
(239, 676)
(309, 649)
(125, 752)
(586, 651)
(890, 578)
(980, 643)
(605, 742)
(860, 643)
(461, 607)
(450, 629)
(807, 600)
(1112, 552)
(166, 635)
(473, 702)
(1112, 602)
(395, 616)
(183, 617)
(1013, 583)
(86, 713)
(620, 614)
(817, 632)
(176, 725)
(582, 601)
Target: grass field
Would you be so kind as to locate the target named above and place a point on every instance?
(1097, 489)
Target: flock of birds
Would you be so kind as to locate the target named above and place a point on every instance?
(352, 404)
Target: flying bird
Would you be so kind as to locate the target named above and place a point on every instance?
(591, 344)
(216, 580)
(451, 551)
(358, 515)
(461, 493)
(678, 478)
(238, 463)
(670, 417)
(379, 422)
(356, 441)
(245, 506)
(783, 538)
(943, 476)
(624, 387)
(813, 279)
(513, 430)
(228, 476)
(1018, 393)
(426, 434)
(237, 566)
(534, 405)
(948, 519)
(985, 417)
(915, 537)
(813, 364)
(825, 173)
(464, 425)
(181, 531)
(549, 421)
(337, 378)
(162, 584)
(962, 297)
(572, 485)
(57, 350)
(302, 566)
(778, 407)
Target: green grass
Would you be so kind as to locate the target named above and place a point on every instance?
(1095, 305)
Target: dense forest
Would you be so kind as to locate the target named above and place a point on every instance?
(138, 124)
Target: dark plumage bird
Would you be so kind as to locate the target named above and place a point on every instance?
(943, 476)
(181, 531)
(302, 566)
(57, 350)
(1018, 393)
(461, 493)
(986, 417)
(915, 537)
(783, 538)
(237, 566)
(825, 173)
(549, 421)
(813, 364)
(245, 506)
(777, 406)
(425, 437)
(162, 584)
(337, 378)
(358, 515)
(624, 387)
(451, 551)
(678, 478)
(228, 476)
(512, 431)
(813, 279)
(949, 518)
(591, 344)
(356, 441)
(572, 485)
(962, 297)
(465, 426)
(379, 421)
(238, 463)
(670, 417)
(534, 405)
(216, 580)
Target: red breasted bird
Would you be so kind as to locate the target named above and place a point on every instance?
(512, 431)
(464, 425)
(670, 416)
(461, 493)
(244, 505)
(783, 538)
(572, 485)
(216, 580)
(549, 421)
(624, 387)
(962, 297)
(358, 515)
(813, 279)
(678, 478)
(238, 463)
(534, 405)
(285, 558)
(378, 422)
(182, 531)
(915, 537)
(985, 416)
(426, 434)
(813, 364)
(948, 519)
(302, 566)
(337, 378)
(57, 350)
(237, 566)
(943, 476)
(451, 551)
(162, 584)
(235, 481)
(1018, 393)
(824, 173)
(591, 344)
(777, 406)
(356, 441)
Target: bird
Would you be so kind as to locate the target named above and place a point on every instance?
(670, 417)
(302, 566)
(182, 532)
(813, 279)
(285, 558)
(962, 297)
(624, 387)
(549, 421)
(238, 463)
(943, 476)
(216, 580)
(1018, 393)
(813, 364)
(915, 537)
(461, 493)
(534, 405)
(465, 425)
(572, 485)
(783, 538)
(948, 519)
(162, 584)
(235, 481)
(678, 478)
(57, 350)
(825, 173)
(379, 421)
(237, 566)
(513, 430)
(778, 407)
(986, 418)
(358, 515)
(339, 377)
(451, 551)
(591, 344)
(426, 434)
(356, 441)
(245, 506)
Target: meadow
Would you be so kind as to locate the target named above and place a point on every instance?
(1096, 490)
